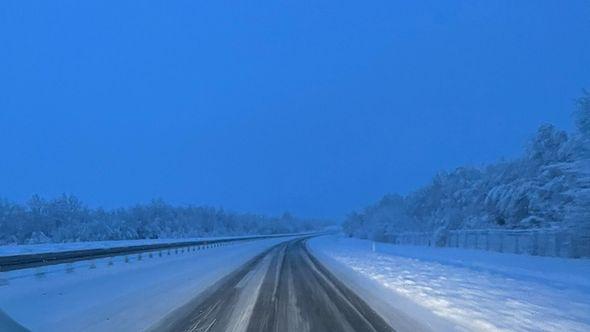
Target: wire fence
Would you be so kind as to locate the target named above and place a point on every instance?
(539, 242)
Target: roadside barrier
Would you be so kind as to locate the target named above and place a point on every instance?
(24, 261)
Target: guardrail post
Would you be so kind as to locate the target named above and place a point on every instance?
(535, 244)
(40, 272)
(3, 282)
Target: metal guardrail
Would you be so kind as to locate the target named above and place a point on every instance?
(25, 261)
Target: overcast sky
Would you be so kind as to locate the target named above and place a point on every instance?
(316, 107)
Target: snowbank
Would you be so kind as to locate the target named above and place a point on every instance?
(472, 290)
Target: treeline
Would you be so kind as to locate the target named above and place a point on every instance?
(547, 188)
(67, 219)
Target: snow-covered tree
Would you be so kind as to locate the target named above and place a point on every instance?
(66, 219)
(583, 115)
(549, 187)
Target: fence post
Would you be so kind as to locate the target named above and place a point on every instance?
(535, 244)
(573, 252)
(557, 244)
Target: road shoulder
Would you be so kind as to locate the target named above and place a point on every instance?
(400, 313)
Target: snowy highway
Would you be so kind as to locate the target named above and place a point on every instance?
(300, 166)
(301, 283)
(283, 289)
(263, 285)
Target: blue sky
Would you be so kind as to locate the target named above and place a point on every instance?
(316, 107)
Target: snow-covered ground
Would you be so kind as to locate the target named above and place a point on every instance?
(117, 294)
(471, 290)
(22, 249)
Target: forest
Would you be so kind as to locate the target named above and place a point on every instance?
(547, 188)
(67, 219)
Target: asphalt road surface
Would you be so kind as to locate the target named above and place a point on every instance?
(284, 289)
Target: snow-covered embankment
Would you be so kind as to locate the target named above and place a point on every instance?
(470, 290)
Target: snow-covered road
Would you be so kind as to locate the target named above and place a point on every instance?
(283, 290)
(412, 288)
(470, 290)
(125, 293)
